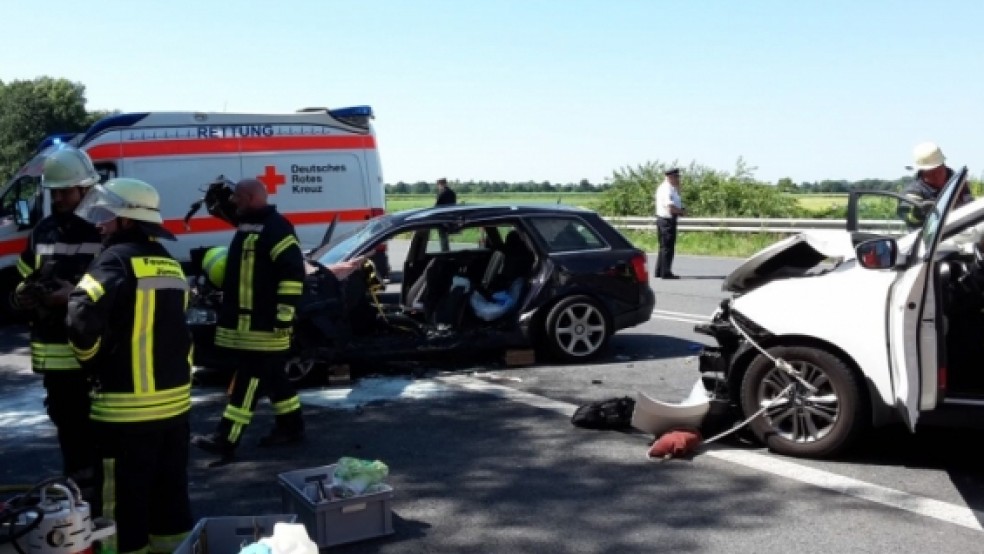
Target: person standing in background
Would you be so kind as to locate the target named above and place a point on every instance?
(669, 207)
(445, 196)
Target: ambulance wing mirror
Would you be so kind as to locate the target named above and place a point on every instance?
(22, 213)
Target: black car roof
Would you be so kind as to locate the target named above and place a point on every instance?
(459, 212)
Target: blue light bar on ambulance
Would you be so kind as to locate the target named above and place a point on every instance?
(351, 112)
(57, 138)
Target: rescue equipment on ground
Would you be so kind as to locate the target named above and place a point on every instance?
(676, 426)
(52, 518)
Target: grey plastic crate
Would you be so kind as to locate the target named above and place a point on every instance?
(337, 521)
(227, 535)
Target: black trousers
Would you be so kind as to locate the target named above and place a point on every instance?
(667, 227)
(260, 374)
(67, 403)
(144, 483)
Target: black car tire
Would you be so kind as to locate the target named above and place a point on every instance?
(810, 425)
(576, 329)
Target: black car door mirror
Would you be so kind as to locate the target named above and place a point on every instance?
(22, 213)
(877, 253)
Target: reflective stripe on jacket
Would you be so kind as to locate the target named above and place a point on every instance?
(127, 326)
(60, 247)
(263, 283)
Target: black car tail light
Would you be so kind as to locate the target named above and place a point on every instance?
(639, 265)
(381, 247)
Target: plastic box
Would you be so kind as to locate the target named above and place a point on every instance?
(336, 521)
(227, 535)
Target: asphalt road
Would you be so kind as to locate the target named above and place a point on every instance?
(484, 459)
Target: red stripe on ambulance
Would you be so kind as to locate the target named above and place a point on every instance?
(172, 147)
(212, 225)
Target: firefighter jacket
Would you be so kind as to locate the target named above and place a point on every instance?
(60, 247)
(126, 324)
(262, 285)
(925, 196)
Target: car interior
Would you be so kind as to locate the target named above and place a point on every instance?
(440, 276)
(960, 290)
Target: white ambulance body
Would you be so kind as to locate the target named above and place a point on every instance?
(316, 164)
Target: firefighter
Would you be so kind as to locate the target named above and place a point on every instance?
(58, 250)
(126, 325)
(260, 289)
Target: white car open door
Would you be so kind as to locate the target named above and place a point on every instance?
(913, 320)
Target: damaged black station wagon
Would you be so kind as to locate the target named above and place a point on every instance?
(479, 277)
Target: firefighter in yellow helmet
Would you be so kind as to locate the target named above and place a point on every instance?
(58, 250)
(262, 286)
(127, 327)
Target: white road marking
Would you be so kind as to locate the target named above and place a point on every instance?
(680, 316)
(928, 507)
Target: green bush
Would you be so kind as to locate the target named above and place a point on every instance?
(706, 193)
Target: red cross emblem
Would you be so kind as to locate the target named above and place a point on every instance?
(271, 179)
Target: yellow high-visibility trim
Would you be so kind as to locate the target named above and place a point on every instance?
(125, 400)
(83, 354)
(285, 312)
(136, 415)
(156, 266)
(109, 499)
(251, 340)
(246, 270)
(53, 355)
(286, 406)
(91, 287)
(284, 244)
(290, 288)
(23, 268)
(142, 341)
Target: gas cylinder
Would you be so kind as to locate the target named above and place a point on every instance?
(66, 526)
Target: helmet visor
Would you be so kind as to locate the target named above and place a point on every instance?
(101, 205)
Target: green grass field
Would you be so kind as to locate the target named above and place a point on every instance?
(821, 202)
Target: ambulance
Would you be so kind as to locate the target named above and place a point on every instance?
(319, 166)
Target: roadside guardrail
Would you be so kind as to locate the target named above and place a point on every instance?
(756, 225)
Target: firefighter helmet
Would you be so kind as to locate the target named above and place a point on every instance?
(214, 264)
(121, 197)
(66, 167)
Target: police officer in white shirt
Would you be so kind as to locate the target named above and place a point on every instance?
(669, 206)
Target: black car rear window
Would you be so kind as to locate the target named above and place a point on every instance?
(562, 234)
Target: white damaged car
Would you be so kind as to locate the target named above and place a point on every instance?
(826, 335)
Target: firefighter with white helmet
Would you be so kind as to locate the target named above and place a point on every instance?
(932, 173)
(126, 325)
(58, 250)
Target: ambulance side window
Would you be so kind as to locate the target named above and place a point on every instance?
(106, 171)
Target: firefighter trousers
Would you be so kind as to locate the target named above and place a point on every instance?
(67, 403)
(260, 374)
(144, 483)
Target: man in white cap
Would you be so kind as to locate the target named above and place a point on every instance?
(932, 174)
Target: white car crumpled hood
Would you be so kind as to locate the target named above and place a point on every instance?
(790, 257)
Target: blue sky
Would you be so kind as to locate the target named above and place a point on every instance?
(548, 90)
